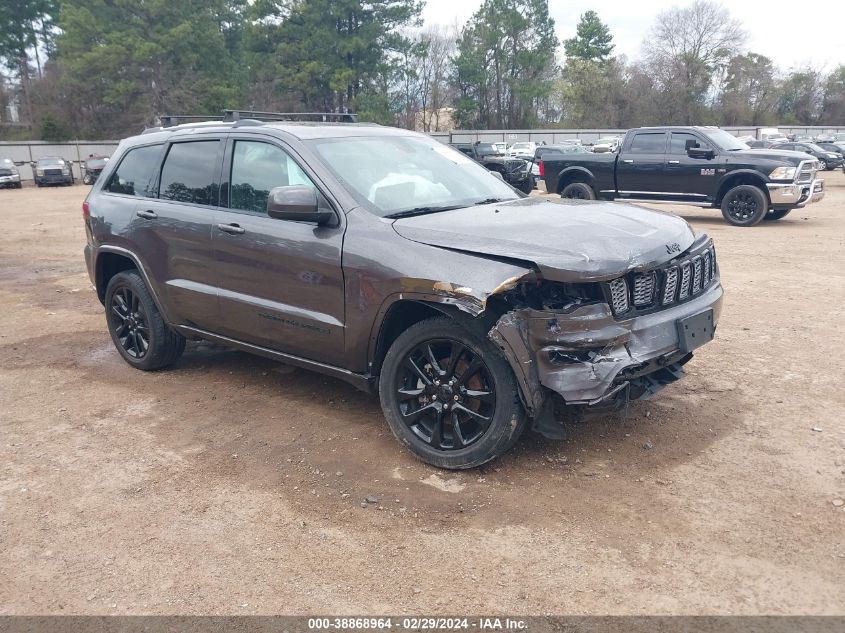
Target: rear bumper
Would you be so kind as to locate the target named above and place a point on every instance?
(790, 195)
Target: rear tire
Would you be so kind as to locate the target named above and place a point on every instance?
(578, 191)
(772, 216)
(822, 165)
(745, 205)
(449, 396)
(137, 328)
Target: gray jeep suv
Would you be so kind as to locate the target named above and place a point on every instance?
(389, 260)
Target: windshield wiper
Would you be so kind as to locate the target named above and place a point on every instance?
(491, 200)
(422, 211)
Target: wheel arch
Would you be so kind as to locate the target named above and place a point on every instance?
(112, 260)
(576, 174)
(744, 177)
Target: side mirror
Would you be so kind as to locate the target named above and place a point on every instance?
(700, 152)
(498, 174)
(298, 203)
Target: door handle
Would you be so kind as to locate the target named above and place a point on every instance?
(627, 160)
(674, 162)
(232, 229)
(147, 215)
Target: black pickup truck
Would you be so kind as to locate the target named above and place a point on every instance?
(702, 166)
(514, 171)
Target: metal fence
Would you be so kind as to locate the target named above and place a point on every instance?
(24, 153)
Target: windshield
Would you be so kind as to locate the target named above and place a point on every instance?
(725, 140)
(485, 149)
(96, 163)
(606, 140)
(6, 162)
(521, 146)
(50, 161)
(392, 174)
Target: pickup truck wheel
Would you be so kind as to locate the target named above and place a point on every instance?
(745, 205)
(578, 191)
(449, 396)
(527, 185)
(136, 327)
(771, 216)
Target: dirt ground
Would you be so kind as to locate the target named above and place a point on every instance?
(231, 484)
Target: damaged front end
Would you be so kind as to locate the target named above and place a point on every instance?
(596, 343)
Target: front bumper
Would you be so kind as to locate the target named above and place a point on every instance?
(586, 356)
(795, 194)
(10, 180)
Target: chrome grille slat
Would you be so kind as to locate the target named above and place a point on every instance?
(698, 273)
(643, 289)
(670, 285)
(707, 271)
(686, 280)
(619, 295)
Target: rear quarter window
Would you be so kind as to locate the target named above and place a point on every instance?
(134, 174)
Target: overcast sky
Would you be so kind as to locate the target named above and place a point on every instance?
(776, 28)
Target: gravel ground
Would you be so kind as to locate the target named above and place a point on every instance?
(231, 484)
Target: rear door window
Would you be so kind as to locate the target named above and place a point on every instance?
(648, 143)
(134, 175)
(190, 173)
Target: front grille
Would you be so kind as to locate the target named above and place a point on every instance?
(806, 171)
(678, 281)
(52, 172)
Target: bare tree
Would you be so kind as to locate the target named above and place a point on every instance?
(435, 77)
(687, 50)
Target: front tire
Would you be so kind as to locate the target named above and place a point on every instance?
(744, 205)
(772, 216)
(822, 165)
(578, 191)
(449, 395)
(527, 185)
(87, 180)
(137, 328)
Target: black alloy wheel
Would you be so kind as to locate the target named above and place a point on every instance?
(744, 205)
(130, 323)
(446, 394)
(137, 329)
(449, 395)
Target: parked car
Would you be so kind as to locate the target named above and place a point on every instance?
(514, 171)
(826, 137)
(801, 138)
(827, 160)
(607, 144)
(9, 175)
(501, 148)
(836, 148)
(704, 166)
(765, 144)
(92, 168)
(52, 170)
(839, 137)
(386, 259)
(771, 134)
(524, 150)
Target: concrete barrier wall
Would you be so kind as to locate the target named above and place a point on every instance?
(26, 152)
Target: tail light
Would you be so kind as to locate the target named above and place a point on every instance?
(542, 169)
(86, 210)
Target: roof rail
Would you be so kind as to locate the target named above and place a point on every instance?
(342, 117)
(253, 117)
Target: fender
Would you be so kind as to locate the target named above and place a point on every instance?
(119, 250)
(575, 170)
(746, 173)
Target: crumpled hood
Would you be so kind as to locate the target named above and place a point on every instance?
(566, 240)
